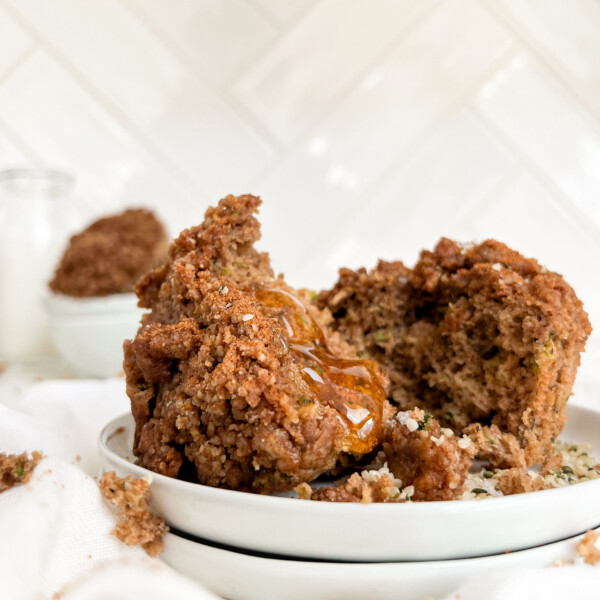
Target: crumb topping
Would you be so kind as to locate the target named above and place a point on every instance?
(233, 376)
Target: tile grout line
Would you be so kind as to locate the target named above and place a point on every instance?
(556, 76)
(266, 15)
(476, 207)
(229, 99)
(257, 128)
(283, 26)
(566, 205)
(20, 143)
(179, 178)
(237, 107)
(25, 55)
(437, 124)
(282, 30)
(12, 135)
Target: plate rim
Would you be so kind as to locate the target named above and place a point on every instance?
(448, 507)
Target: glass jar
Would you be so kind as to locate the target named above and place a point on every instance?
(34, 224)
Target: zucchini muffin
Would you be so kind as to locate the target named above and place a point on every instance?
(473, 334)
(234, 378)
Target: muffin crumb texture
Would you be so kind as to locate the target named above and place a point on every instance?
(426, 456)
(375, 485)
(473, 334)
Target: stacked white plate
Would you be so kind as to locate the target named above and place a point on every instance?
(246, 546)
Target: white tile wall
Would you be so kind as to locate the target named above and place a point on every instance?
(521, 102)
(565, 34)
(194, 29)
(446, 184)
(178, 115)
(14, 43)
(370, 129)
(70, 129)
(284, 12)
(303, 74)
(10, 153)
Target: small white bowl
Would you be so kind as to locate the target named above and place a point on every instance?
(375, 532)
(89, 332)
(242, 576)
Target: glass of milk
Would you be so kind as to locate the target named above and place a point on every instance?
(34, 219)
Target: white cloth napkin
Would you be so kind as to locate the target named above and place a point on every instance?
(55, 531)
(563, 583)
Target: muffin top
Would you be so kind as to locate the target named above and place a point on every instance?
(110, 255)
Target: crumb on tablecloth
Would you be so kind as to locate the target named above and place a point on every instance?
(136, 524)
(16, 469)
(587, 547)
(561, 562)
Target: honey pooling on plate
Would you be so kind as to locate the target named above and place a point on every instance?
(351, 387)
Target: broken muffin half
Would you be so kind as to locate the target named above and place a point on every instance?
(234, 378)
(472, 334)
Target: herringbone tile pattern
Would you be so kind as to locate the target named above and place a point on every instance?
(369, 128)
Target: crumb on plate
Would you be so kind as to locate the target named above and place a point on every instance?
(369, 486)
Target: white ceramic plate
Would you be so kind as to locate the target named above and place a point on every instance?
(375, 532)
(239, 576)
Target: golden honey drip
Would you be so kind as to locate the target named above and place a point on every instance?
(351, 387)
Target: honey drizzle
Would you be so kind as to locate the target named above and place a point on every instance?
(351, 387)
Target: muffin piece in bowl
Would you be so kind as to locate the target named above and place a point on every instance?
(92, 308)
(110, 255)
